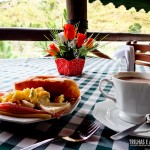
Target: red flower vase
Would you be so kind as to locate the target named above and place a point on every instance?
(72, 67)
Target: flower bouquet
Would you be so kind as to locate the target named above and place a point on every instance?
(70, 49)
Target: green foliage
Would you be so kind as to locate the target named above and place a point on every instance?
(24, 13)
(38, 13)
(65, 15)
(43, 46)
(5, 50)
(110, 19)
(135, 28)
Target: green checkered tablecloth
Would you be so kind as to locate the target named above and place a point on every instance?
(16, 136)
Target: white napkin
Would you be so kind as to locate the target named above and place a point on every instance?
(125, 54)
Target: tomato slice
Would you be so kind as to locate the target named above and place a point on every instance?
(14, 108)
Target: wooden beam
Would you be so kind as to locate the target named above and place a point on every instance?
(25, 34)
(112, 36)
(36, 34)
(77, 13)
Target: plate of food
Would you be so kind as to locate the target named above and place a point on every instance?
(39, 98)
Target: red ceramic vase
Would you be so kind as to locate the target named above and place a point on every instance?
(72, 67)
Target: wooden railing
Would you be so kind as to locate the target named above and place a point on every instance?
(36, 34)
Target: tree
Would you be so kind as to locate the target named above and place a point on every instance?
(135, 28)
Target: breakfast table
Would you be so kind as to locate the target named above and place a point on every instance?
(15, 135)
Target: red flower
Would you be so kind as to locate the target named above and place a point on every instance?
(80, 39)
(52, 49)
(69, 31)
(89, 43)
(1, 94)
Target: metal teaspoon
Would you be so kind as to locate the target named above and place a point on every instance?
(126, 132)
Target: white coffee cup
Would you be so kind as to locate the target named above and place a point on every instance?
(132, 95)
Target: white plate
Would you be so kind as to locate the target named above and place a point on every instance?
(107, 113)
(34, 120)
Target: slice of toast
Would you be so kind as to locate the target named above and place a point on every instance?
(55, 85)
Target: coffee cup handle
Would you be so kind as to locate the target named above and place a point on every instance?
(104, 93)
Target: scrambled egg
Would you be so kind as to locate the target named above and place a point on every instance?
(30, 97)
(59, 99)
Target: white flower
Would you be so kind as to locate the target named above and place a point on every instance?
(62, 37)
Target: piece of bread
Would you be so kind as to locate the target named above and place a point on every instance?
(55, 85)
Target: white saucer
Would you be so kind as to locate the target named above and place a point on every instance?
(107, 113)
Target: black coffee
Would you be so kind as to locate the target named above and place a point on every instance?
(135, 79)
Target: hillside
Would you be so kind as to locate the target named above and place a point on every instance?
(37, 13)
(40, 13)
(113, 19)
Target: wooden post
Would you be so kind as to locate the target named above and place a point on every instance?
(77, 12)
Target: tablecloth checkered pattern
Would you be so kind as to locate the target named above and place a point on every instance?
(16, 136)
